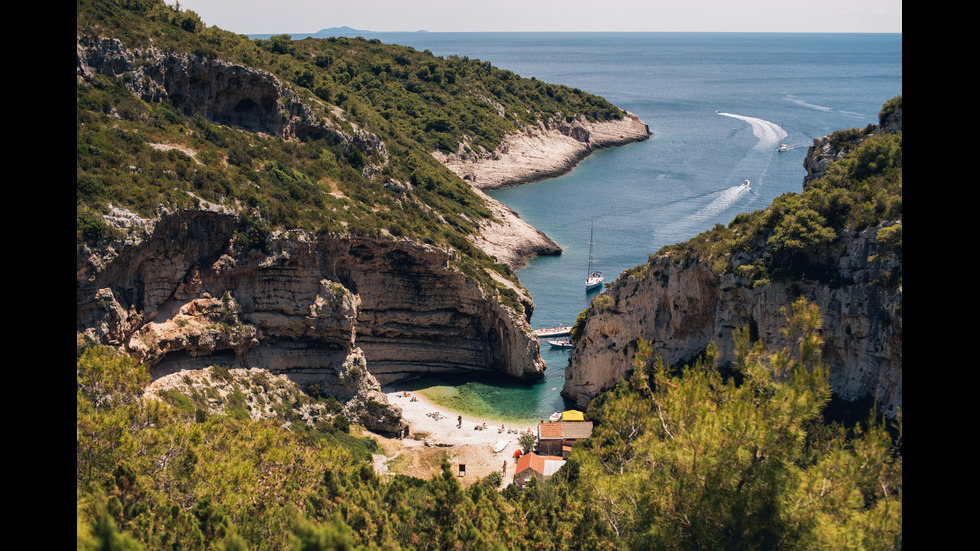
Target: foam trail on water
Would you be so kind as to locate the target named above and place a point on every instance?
(753, 166)
(723, 201)
(769, 133)
(687, 226)
(802, 103)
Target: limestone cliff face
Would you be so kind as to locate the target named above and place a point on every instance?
(547, 150)
(535, 153)
(346, 312)
(224, 93)
(681, 307)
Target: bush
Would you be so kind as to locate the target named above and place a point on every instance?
(527, 441)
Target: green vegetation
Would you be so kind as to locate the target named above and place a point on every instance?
(692, 459)
(415, 102)
(798, 234)
(143, 155)
(685, 458)
(681, 458)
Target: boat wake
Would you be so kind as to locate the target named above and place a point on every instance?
(757, 159)
(686, 226)
(801, 103)
(725, 199)
(753, 165)
(768, 133)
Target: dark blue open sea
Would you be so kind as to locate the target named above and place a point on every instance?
(718, 105)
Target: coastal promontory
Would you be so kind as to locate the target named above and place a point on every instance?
(837, 243)
(257, 204)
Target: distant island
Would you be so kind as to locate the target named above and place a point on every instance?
(345, 31)
(332, 31)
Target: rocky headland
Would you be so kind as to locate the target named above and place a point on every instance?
(349, 313)
(681, 305)
(545, 151)
(535, 153)
(346, 312)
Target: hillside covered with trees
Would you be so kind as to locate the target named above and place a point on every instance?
(686, 457)
(414, 102)
(680, 459)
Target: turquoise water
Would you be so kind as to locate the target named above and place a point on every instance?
(718, 106)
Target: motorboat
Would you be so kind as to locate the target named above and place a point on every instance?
(556, 331)
(782, 147)
(561, 343)
(594, 279)
(745, 183)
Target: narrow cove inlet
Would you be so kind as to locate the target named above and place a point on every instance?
(705, 141)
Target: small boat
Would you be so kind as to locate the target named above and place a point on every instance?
(745, 183)
(556, 331)
(594, 278)
(782, 147)
(555, 417)
(561, 343)
(499, 446)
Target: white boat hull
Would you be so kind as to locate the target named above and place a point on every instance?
(558, 332)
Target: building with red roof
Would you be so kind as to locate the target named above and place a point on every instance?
(532, 464)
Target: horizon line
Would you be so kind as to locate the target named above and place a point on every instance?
(424, 31)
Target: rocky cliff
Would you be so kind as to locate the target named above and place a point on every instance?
(547, 150)
(681, 304)
(346, 312)
(681, 307)
(224, 93)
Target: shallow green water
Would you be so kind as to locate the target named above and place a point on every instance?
(506, 400)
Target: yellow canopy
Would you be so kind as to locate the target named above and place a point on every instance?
(572, 415)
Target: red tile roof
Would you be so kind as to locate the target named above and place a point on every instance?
(535, 462)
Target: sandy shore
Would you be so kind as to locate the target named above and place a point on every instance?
(443, 428)
(435, 431)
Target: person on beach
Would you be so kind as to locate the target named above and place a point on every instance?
(459, 422)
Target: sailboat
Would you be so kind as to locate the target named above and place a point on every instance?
(594, 279)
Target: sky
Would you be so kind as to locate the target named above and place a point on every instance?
(309, 16)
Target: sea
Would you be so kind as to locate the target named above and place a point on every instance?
(718, 106)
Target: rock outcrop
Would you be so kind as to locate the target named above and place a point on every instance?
(541, 152)
(257, 101)
(221, 92)
(349, 313)
(531, 155)
(680, 306)
(828, 149)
